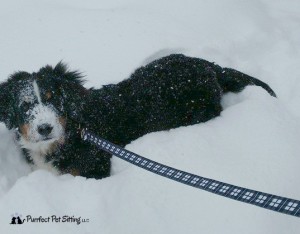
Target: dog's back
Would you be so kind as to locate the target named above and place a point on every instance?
(170, 92)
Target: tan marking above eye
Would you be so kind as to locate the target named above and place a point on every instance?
(48, 95)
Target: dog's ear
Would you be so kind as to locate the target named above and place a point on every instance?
(74, 93)
(8, 97)
(6, 105)
(75, 77)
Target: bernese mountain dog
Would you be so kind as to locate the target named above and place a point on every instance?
(46, 108)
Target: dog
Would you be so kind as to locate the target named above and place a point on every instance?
(46, 108)
(41, 107)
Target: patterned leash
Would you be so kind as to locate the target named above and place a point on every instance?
(264, 200)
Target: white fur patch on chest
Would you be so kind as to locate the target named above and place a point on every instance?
(39, 163)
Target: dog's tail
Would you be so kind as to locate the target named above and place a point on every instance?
(235, 81)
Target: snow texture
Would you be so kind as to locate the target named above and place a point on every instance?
(254, 143)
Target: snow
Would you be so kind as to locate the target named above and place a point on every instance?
(254, 143)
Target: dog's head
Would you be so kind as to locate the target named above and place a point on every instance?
(38, 105)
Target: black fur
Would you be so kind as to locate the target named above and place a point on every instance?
(170, 92)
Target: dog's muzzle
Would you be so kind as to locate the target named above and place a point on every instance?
(45, 130)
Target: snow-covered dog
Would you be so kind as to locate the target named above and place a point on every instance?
(46, 107)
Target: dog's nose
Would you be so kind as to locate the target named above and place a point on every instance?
(45, 129)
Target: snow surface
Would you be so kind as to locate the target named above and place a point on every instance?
(254, 143)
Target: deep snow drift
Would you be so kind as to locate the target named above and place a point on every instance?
(254, 143)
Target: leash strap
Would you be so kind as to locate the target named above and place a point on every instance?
(264, 200)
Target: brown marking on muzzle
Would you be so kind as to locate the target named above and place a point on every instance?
(53, 147)
(62, 121)
(24, 129)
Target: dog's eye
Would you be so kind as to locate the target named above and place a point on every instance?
(26, 106)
